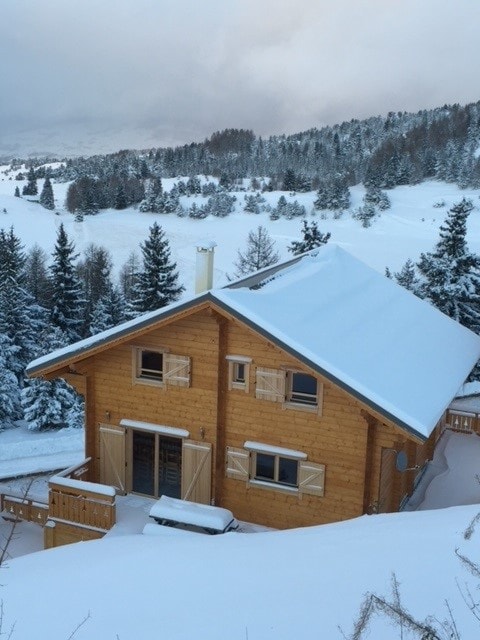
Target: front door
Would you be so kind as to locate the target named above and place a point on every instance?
(156, 464)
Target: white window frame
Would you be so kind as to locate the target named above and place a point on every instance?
(234, 381)
(138, 378)
(292, 402)
(176, 369)
(240, 464)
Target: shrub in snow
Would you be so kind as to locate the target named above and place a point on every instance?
(312, 238)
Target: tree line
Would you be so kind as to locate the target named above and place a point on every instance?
(45, 305)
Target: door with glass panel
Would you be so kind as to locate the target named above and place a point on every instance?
(156, 464)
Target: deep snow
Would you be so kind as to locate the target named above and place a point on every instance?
(270, 585)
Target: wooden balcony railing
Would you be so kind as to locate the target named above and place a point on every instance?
(462, 421)
(23, 508)
(73, 500)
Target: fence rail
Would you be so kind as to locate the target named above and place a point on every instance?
(462, 421)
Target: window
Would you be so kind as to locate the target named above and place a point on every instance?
(238, 372)
(276, 468)
(157, 367)
(293, 388)
(150, 365)
(301, 388)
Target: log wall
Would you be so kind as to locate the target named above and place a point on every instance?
(346, 436)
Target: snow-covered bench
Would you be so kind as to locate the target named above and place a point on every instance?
(192, 516)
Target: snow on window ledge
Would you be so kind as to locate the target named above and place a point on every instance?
(261, 447)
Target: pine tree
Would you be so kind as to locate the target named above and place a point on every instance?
(21, 318)
(156, 285)
(67, 299)
(17, 192)
(30, 189)
(10, 409)
(451, 273)
(289, 181)
(312, 238)
(47, 404)
(46, 197)
(407, 277)
(260, 253)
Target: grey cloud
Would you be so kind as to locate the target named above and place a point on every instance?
(174, 71)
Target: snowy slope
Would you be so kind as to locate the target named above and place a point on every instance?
(276, 585)
(402, 232)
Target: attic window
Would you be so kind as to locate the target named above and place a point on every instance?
(301, 388)
(238, 372)
(150, 365)
(157, 367)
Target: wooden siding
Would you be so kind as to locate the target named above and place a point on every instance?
(346, 436)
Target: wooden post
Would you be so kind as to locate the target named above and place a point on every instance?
(369, 461)
(222, 388)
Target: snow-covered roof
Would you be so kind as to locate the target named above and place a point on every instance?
(350, 323)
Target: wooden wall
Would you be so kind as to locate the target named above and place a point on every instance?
(346, 437)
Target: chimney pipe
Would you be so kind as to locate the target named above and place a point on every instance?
(204, 265)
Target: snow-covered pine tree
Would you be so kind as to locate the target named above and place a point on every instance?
(94, 272)
(17, 192)
(21, 319)
(46, 404)
(47, 199)
(67, 299)
(156, 285)
(451, 272)
(407, 277)
(260, 253)
(30, 189)
(312, 238)
(10, 408)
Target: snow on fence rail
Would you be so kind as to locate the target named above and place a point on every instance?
(24, 509)
(463, 421)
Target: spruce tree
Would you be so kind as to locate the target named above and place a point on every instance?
(10, 409)
(451, 273)
(30, 189)
(312, 238)
(67, 299)
(260, 253)
(156, 285)
(46, 197)
(407, 277)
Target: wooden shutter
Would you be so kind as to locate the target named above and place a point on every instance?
(311, 478)
(196, 471)
(270, 384)
(238, 462)
(177, 370)
(112, 456)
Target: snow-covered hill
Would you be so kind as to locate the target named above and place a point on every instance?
(409, 227)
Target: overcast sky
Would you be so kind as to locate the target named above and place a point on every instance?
(107, 74)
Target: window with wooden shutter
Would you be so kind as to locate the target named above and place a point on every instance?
(176, 370)
(311, 478)
(270, 384)
(238, 462)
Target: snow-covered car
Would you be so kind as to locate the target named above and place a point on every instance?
(192, 517)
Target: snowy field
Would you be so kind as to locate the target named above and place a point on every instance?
(278, 585)
(404, 231)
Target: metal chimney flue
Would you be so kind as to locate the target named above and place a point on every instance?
(204, 265)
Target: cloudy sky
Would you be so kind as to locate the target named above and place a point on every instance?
(98, 75)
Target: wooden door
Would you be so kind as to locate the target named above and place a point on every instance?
(196, 471)
(112, 456)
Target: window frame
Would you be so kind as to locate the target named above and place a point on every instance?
(138, 378)
(234, 382)
(276, 482)
(292, 402)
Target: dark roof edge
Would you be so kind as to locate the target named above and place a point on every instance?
(320, 370)
(254, 279)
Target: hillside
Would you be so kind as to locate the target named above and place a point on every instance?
(409, 227)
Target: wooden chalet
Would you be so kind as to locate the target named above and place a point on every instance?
(307, 393)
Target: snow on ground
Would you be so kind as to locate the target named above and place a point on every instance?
(404, 231)
(269, 585)
(290, 584)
